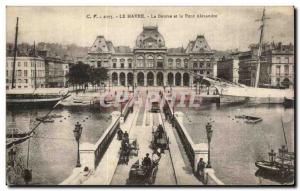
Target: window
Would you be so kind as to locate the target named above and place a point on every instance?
(19, 64)
(160, 62)
(6, 72)
(129, 63)
(287, 59)
(278, 81)
(208, 65)
(19, 72)
(278, 59)
(122, 65)
(195, 64)
(114, 65)
(140, 61)
(286, 69)
(178, 63)
(186, 63)
(25, 73)
(208, 72)
(277, 70)
(99, 64)
(25, 64)
(25, 81)
(32, 64)
(150, 61)
(170, 62)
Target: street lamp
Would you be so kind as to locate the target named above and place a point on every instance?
(77, 134)
(173, 117)
(282, 151)
(209, 133)
(11, 157)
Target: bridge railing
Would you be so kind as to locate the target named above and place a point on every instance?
(91, 154)
(193, 151)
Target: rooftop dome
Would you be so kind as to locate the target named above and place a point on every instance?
(150, 38)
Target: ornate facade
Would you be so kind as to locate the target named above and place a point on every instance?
(151, 63)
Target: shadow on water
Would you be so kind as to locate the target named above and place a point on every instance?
(275, 177)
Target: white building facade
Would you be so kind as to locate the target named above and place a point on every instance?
(25, 70)
(151, 63)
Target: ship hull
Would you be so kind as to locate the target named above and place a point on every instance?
(32, 102)
(254, 95)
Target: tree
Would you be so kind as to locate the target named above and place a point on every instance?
(98, 75)
(79, 74)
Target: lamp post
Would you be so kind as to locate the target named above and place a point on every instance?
(77, 134)
(282, 152)
(11, 157)
(209, 133)
(121, 103)
(173, 117)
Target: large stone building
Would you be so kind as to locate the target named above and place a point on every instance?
(276, 70)
(56, 71)
(150, 62)
(277, 65)
(25, 70)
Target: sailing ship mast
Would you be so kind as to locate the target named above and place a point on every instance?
(15, 55)
(262, 20)
(34, 55)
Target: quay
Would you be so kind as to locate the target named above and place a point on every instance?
(177, 166)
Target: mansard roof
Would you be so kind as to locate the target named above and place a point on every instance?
(199, 45)
(102, 46)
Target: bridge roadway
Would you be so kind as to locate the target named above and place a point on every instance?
(166, 174)
(173, 166)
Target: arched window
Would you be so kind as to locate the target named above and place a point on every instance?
(178, 63)
(160, 62)
(122, 62)
(129, 63)
(170, 62)
(99, 64)
(140, 61)
(150, 61)
(186, 63)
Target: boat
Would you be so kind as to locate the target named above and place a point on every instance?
(277, 165)
(55, 116)
(32, 96)
(254, 95)
(15, 133)
(35, 97)
(249, 119)
(288, 102)
(45, 119)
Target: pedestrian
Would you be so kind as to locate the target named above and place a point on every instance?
(200, 168)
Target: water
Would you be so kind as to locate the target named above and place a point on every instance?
(236, 145)
(53, 149)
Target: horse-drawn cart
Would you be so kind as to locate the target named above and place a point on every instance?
(140, 174)
(128, 146)
(159, 138)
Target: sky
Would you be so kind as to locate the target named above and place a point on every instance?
(232, 28)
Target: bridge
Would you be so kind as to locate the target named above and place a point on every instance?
(178, 164)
